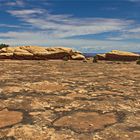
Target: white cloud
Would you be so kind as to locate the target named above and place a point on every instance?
(41, 38)
(135, 30)
(66, 25)
(128, 34)
(25, 13)
(9, 26)
(15, 3)
(54, 30)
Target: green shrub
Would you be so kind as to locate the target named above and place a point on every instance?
(65, 58)
(95, 59)
(138, 62)
(3, 46)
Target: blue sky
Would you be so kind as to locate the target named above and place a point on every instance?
(85, 25)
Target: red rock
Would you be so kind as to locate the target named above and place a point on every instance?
(78, 57)
(121, 55)
(101, 56)
(8, 118)
(86, 121)
(45, 86)
(23, 55)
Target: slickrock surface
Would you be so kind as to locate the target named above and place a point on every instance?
(8, 118)
(69, 100)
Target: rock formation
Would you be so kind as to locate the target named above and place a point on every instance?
(54, 100)
(9, 118)
(119, 55)
(101, 56)
(39, 53)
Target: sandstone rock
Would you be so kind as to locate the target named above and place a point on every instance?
(26, 132)
(11, 89)
(90, 94)
(7, 50)
(23, 55)
(86, 122)
(45, 86)
(6, 55)
(18, 49)
(58, 55)
(33, 49)
(101, 56)
(78, 57)
(62, 49)
(40, 55)
(35, 52)
(8, 118)
(138, 62)
(121, 55)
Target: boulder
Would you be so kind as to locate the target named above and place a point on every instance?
(101, 56)
(78, 57)
(6, 55)
(121, 55)
(7, 50)
(138, 62)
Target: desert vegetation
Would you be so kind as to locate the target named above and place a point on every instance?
(3, 46)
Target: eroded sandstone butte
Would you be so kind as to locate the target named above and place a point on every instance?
(39, 53)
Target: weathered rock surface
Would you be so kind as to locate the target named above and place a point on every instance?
(101, 56)
(39, 53)
(22, 55)
(78, 57)
(45, 86)
(119, 55)
(9, 118)
(6, 55)
(86, 122)
(73, 100)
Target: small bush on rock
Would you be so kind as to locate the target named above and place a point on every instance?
(95, 59)
(3, 46)
(65, 58)
(138, 61)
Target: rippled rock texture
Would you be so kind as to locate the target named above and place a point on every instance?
(69, 100)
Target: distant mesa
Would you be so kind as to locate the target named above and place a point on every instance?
(39, 53)
(118, 56)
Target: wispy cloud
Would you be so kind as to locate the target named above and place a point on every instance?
(25, 13)
(36, 38)
(67, 26)
(15, 3)
(54, 29)
(10, 26)
(135, 30)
